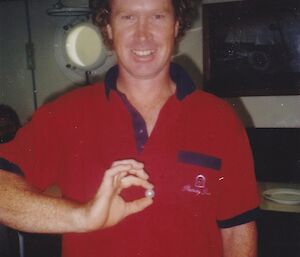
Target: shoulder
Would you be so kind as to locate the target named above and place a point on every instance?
(211, 121)
(72, 104)
(204, 103)
(80, 95)
(208, 112)
(77, 98)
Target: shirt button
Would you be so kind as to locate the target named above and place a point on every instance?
(141, 131)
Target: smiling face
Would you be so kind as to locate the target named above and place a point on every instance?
(143, 33)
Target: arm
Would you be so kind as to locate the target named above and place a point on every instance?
(25, 208)
(240, 241)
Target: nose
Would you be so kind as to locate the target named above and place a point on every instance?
(142, 31)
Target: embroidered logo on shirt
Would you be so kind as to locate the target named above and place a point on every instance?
(199, 187)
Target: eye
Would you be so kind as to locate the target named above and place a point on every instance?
(127, 17)
(158, 16)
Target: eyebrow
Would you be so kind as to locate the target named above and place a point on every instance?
(162, 10)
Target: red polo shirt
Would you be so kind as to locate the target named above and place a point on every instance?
(198, 159)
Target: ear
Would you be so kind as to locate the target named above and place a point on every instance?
(176, 28)
(109, 31)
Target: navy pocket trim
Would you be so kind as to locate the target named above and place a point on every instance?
(200, 159)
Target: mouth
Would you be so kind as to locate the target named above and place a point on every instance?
(143, 53)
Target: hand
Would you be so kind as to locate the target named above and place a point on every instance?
(108, 207)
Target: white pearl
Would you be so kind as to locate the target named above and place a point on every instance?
(149, 193)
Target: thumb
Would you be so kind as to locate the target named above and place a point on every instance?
(137, 205)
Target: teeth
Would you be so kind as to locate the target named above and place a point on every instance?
(143, 53)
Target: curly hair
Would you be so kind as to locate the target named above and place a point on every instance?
(184, 13)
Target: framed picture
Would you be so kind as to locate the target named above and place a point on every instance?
(252, 48)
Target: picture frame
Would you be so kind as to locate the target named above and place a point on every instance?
(252, 48)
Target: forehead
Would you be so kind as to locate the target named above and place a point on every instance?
(141, 5)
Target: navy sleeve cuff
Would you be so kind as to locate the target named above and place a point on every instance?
(10, 167)
(240, 219)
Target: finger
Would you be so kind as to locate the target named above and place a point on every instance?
(113, 177)
(141, 173)
(118, 177)
(136, 167)
(135, 164)
(137, 205)
(119, 169)
(129, 181)
(123, 169)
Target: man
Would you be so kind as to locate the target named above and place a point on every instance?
(144, 118)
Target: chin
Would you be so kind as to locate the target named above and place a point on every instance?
(144, 75)
(145, 72)
(150, 69)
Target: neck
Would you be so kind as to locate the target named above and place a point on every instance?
(146, 90)
(147, 95)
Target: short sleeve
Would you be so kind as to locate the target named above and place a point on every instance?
(36, 149)
(238, 196)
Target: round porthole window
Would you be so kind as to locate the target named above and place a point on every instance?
(84, 47)
(79, 50)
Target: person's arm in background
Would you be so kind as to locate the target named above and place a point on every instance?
(24, 208)
(240, 241)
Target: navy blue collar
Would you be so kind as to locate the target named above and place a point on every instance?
(184, 84)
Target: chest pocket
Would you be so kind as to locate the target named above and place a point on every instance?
(199, 174)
